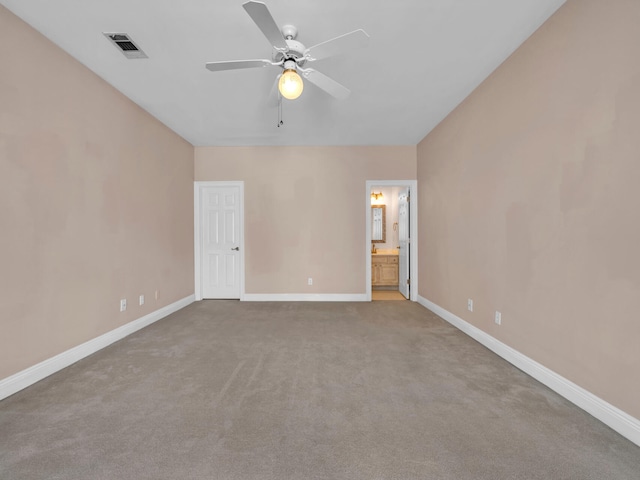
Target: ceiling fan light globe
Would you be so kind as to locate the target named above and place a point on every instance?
(290, 85)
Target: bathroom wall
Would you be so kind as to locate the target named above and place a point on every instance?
(390, 200)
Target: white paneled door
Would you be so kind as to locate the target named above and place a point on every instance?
(220, 241)
(404, 229)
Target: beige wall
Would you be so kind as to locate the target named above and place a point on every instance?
(96, 204)
(305, 211)
(529, 200)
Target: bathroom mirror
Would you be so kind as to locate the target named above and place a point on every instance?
(378, 224)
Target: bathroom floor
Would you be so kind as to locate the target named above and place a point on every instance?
(377, 295)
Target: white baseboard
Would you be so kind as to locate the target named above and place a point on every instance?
(621, 422)
(31, 375)
(305, 297)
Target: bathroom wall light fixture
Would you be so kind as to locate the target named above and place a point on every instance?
(376, 196)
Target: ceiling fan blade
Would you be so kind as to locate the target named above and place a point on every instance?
(260, 14)
(236, 64)
(335, 46)
(327, 84)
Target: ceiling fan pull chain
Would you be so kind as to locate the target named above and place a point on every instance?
(280, 122)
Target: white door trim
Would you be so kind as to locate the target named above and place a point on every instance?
(404, 269)
(413, 246)
(198, 188)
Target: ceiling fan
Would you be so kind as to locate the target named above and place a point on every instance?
(292, 56)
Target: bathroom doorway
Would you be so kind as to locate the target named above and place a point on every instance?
(391, 239)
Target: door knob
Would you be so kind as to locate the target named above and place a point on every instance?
(236, 249)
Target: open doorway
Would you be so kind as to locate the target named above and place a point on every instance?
(391, 223)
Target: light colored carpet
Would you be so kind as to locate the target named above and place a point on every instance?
(231, 390)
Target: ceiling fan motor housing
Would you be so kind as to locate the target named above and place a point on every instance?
(295, 49)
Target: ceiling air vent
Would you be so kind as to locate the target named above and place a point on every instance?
(127, 46)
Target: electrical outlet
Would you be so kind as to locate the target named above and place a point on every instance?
(157, 294)
(310, 281)
(141, 300)
(123, 304)
(498, 318)
(470, 305)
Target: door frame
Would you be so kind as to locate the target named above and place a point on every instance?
(198, 188)
(413, 232)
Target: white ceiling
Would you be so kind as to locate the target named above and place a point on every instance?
(424, 57)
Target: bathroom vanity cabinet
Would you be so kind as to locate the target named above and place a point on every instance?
(384, 270)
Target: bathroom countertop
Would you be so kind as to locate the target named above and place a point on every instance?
(386, 251)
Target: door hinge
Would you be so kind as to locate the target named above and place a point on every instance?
(408, 281)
